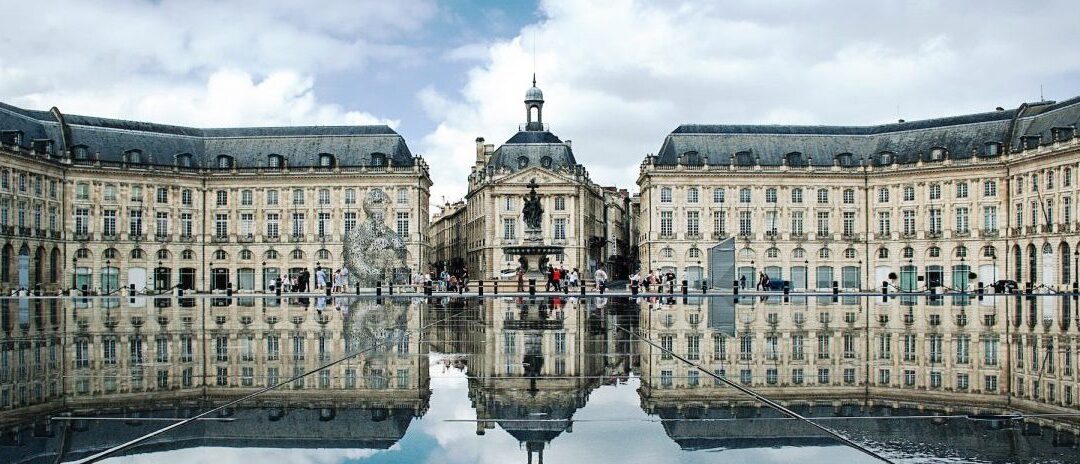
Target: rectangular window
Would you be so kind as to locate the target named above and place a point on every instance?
(322, 224)
(186, 224)
(849, 223)
(883, 195)
(692, 195)
(247, 198)
(222, 198)
(82, 191)
(350, 221)
(797, 223)
(135, 222)
(884, 223)
(1066, 210)
(298, 227)
(798, 352)
(665, 195)
(186, 197)
(935, 191)
(745, 226)
(402, 196)
(509, 225)
(823, 351)
(560, 229)
(247, 224)
(403, 224)
(849, 197)
(560, 203)
(962, 220)
(935, 221)
(822, 223)
(719, 222)
(298, 197)
(221, 225)
(108, 193)
(989, 188)
(718, 195)
(161, 223)
(797, 195)
(273, 224)
(108, 222)
(744, 195)
(667, 223)
(770, 195)
(990, 218)
(271, 197)
(693, 223)
(324, 196)
(961, 190)
(823, 196)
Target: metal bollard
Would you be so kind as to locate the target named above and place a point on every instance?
(884, 291)
(390, 285)
(980, 290)
(480, 288)
(787, 292)
(601, 287)
(228, 290)
(378, 288)
(704, 287)
(427, 288)
(357, 289)
(835, 291)
(633, 288)
(277, 290)
(684, 287)
(495, 287)
(735, 288)
(582, 289)
(532, 287)
(327, 290)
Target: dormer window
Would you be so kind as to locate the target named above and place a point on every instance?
(80, 152)
(133, 157)
(844, 159)
(795, 160)
(183, 160)
(224, 162)
(1030, 142)
(744, 158)
(326, 160)
(885, 158)
(1061, 134)
(993, 148)
(378, 160)
(275, 161)
(937, 154)
(691, 158)
(13, 138)
(43, 147)
(523, 161)
(546, 162)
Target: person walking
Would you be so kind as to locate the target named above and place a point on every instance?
(601, 277)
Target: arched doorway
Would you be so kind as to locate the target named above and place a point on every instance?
(54, 266)
(39, 266)
(24, 267)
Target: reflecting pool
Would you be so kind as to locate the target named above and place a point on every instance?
(523, 378)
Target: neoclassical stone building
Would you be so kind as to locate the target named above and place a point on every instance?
(922, 203)
(103, 203)
(575, 209)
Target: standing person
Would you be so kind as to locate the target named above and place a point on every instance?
(465, 280)
(635, 279)
(600, 276)
(556, 278)
(648, 280)
(305, 281)
(345, 279)
(320, 278)
(521, 280)
(742, 282)
(575, 278)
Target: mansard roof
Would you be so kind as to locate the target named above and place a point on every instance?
(533, 148)
(957, 137)
(301, 146)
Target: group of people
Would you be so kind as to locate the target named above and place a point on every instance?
(337, 281)
(558, 278)
(659, 280)
(445, 281)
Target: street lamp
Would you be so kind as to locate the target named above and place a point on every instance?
(74, 266)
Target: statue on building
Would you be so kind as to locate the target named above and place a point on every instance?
(372, 251)
(532, 211)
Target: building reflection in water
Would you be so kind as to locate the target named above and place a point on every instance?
(532, 364)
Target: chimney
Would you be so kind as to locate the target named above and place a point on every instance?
(567, 142)
(480, 150)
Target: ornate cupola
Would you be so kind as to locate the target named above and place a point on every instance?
(534, 99)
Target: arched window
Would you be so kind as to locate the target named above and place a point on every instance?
(961, 252)
(1033, 264)
(1018, 263)
(245, 255)
(1066, 262)
(850, 253)
(885, 158)
(693, 253)
(220, 255)
(772, 252)
(110, 253)
(322, 254)
(224, 162)
(908, 252)
(937, 154)
(989, 251)
(747, 254)
(187, 254)
(933, 252)
(326, 160)
(271, 254)
(137, 253)
(667, 253)
(824, 253)
(163, 254)
(883, 253)
(275, 161)
(82, 253)
(798, 253)
(298, 254)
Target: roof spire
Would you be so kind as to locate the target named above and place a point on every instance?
(534, 79)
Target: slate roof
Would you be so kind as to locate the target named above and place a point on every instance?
(533, 147)
(773, 145)
(109, 139)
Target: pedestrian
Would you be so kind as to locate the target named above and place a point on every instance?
(600, 277)
(556, 278)
(521, 280)
(320, 278)
(648, 280)
(742, 282)
(575, 278)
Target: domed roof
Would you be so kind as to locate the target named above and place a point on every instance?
(534, 93)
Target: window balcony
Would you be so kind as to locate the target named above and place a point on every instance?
(135, 237)
(297, 238)
(55, 234)
(1046, 228)
(961, 233)
(772, 235)
(851, 237)
(907, 235)
(271, 238)
(219, 239)
(933, 234)
(245, 238)
(1031, 229)
(83, 237)
(1016, 231)
(690, 236)
(41, 233)
(110, 237)
(162, 238)
(719, 235)
(989, 233)
(823, 235)
(187, 238)
(25, 231)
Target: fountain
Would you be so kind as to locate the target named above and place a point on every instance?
(372, 251)
(533, 253)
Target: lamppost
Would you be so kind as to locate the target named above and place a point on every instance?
(105, 288)
(74, 266)
(1076, 265)
(157, 274)
(210, 277)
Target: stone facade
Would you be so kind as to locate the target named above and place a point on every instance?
(279, 200)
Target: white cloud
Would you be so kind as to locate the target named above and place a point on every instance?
(618, 76)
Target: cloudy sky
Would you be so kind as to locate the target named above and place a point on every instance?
(617, 75)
